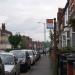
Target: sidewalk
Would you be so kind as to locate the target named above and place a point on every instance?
(42, 67)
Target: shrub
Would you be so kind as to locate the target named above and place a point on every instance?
(66, 49)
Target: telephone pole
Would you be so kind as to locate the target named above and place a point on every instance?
(55, 48)
(55, 42)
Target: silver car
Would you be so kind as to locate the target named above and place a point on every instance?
(10, 64)
(32, 56)
(23, 59)
(1, 68)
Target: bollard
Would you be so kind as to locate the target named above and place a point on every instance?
(63, 64)
(70, 66)
(73, 68)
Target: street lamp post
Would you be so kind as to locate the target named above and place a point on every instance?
(44, 33)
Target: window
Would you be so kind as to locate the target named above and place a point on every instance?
(68, 34)
(68, 42)
(73, 28)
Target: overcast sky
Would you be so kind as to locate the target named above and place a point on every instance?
(23, 15)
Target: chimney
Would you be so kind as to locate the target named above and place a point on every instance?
(3, 26)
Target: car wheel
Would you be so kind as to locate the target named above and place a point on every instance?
(18, 74)
(15, 73)
(29, 67)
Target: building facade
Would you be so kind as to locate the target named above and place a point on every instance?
(66, 32)
(72, 15)
(4, 35)
(37, 45)
(60, 26)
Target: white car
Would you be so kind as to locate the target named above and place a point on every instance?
(32, 56)
(2, 51)
(1, 68)
(11, 67)
(23, 59)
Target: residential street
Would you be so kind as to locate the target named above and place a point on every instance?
(42, 67)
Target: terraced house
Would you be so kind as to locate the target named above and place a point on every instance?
(4, 34)
(66, 32)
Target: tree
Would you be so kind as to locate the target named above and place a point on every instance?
(51, 38)
(47, 44)
(15, 40)
(23, 43)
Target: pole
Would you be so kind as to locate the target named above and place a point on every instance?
(55, 48)
(44, 36)
(55, 43)
(44, 33)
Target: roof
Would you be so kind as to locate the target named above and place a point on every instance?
(4, 31)
(7, 32)
(66, 6)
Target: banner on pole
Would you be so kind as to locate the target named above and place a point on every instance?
(49, 23)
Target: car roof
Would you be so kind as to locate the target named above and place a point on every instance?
(18, 50)
(14, 51)
(7, 53)
(30, 50)
(1, 51)
(27, 50)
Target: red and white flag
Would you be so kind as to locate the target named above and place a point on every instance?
(49, 23)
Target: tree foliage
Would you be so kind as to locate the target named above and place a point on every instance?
(15, 40)
(72, 22)
(23, 43)
(47, 44)
(51, 37)
(67, 49)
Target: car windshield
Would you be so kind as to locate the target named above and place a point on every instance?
(7, 59)
(19, 54)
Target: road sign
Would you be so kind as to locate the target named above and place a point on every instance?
(49, 23)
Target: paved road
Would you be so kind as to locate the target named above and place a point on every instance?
(42, 67)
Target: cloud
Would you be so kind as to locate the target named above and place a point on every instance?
(22, 15)
(3, 19)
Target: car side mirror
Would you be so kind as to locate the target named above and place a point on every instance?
(28, 57)
(16, 60)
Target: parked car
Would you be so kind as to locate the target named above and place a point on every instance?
(27, 58)
(1, 51)
(37, 55)
(1, 68)
(41, 51)
(23, 59)
(11, 67)
(32, 56)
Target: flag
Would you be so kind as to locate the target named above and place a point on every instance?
(49, 23)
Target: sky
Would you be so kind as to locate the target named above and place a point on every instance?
(24, 16)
